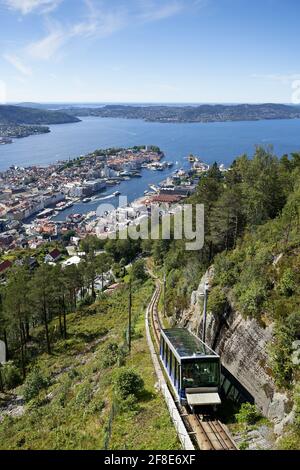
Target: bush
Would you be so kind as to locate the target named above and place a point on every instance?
(287, 284)
(11, 375)
(111, 355)
(84, 395)
(86, 301)
(217, 301)
(130, 404)
(128, 382)
(252, 297)
(34, 383)
(138, 271)
(248, 414)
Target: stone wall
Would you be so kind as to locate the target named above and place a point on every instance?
(242, 344)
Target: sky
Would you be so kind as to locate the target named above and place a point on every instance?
(157, 51)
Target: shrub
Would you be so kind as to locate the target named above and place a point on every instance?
(111, 355)
(252, 298)
(11, 375)
(128, 382)
(217, 301)
(130, 404)
(248, 414)
(34, 383)
(287, 284)
(138, 271)
(86, 301)
(84, 395)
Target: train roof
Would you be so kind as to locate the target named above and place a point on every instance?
(187, 345)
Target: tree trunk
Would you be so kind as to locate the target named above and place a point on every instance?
(27, 330)
(60, 325)
(46, 328)
(6, 343)
(22, 351)
(65, 318)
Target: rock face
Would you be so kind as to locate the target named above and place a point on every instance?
(242, 344)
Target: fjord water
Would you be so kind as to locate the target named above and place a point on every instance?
(220, 142)
(211, 141)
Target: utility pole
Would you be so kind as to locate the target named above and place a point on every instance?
(129, 315)
(165, 283)
(205, 312)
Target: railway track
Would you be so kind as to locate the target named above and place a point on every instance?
(207, 432)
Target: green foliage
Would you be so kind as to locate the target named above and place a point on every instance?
(138, 271)
(11, 375)
(87, 300)
(217, 301)
(128, 382)
(34, 383)
(287, 284)
(251, 298)
(285, 332)
(111, 354)
(130, 405)
(84, 394)
(297, 407)
(248, 414)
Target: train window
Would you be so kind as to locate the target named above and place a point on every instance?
(167, 355)
(200, 374)
(162, 347)
(175, 372)
(174, 365)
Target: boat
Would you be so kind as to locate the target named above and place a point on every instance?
(116, 193)
(87, 199)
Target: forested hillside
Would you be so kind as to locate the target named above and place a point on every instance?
(16, 115)
(50, 316)
(201, 113)
(252, 238)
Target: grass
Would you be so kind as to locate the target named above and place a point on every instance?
(152, 417)
(73, 412)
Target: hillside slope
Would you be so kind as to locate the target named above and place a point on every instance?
(202, 113)
(17, 115)
(76, 406)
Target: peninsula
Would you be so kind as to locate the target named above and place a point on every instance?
(17, 122)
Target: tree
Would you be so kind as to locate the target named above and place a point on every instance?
(41, 294)
(16, 307)
(138, 271)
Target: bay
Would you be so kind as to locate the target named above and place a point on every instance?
(221, 142)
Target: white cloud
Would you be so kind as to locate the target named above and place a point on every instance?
(18, 64)
(27, 6)
(285, 79)
(156, 12)
(101, 19)
(47, 47)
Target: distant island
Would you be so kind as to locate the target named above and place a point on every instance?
(201, 113)
(27, 119)
(17, 122)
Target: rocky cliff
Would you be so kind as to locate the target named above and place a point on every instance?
(243, 345)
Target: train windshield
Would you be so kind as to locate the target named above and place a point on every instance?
(200, 374)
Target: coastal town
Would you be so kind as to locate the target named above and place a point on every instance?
(32, 197)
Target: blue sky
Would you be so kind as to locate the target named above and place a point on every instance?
(149, 50)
